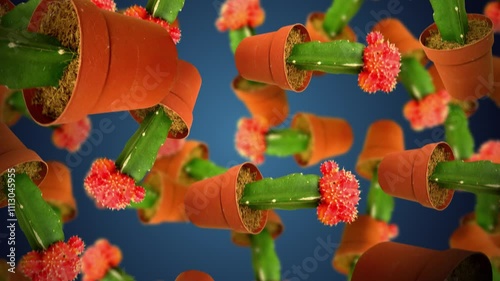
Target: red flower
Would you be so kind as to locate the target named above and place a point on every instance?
(141, 13)
(109, 187)
(98, 259)
(136, 11)
(489, 150)
(235, 14)
(71, 136)
(170, 147)
(250, 139)
(108, 5)
(381, 65)
(428, 112)
(60, 262)
(492, 10)
(339, 190)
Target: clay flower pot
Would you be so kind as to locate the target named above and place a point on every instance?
(274, 226)
(6, 5)
(266, 101)
(262, 58)
(329, 137)
(467, 72)
(359, 236)
(170, 204)
(213, 202)
(7, 115)
(117, 79)
(173, 165)
(405, 175)
(383, 137)
(57, 190)
(390, 261)
(194, 275)
(180, 102)
(13, 153)
(472, 237)
(495, 95)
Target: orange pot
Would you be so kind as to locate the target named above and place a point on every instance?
(173, 165)
(266, 101)
(5, 275)
(13, 153)
(262, 58)
(181, 100)
(329, 137)
(213, 202)
(467, 72)
(170, 205)
(57, 190)
(274, 226)
(359, 236)
(383, 137)
(126, 64)
(7, 5)
(472, 237)
(314, 25)
(7, 115)
(194, 275)
(495, 95)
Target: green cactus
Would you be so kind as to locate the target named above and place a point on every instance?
(149, 200)
(451, 20)
(31, 60)
(265, 261)
(165, 9)
(487, 209)
(286, 142)
(19, 17)
(336, 57)
(380, 204)
(339, 14)
(415, 78)
(353, 266)
(457, 132)
(236, 36)
(476, 177)
(200, 169)
(117, 274)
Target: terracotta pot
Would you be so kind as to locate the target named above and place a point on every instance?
(126, 63)
(266, 101)
(262, 58)
(7, 4)
(397, 33)
(7, 115)
(57, 190)
(170, 205)
(181, 100)
(383, 137)
(329, 137)
(357, 237)
(495, 95)
(213, 202)
(194, 275)
(12, 153)
(467, 72)
(5, 275)
(472, 237)
(390, 261)
(173, 165)
(274, 226)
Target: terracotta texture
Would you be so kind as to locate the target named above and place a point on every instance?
(262, 58)
(390, 261)
(7, 115)
(173, 165)
(329, 137)
(170, 205)
(213, 202)
(405, 175)
(274, 226)
(383, 137)
(472, 237)
(57, 190)
(495, 95)
(467, 72)
(320, 35)
(118, 80)
(194, 275)
(268, 102)
(8, 4)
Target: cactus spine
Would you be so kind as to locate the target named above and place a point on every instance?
(451, 19)
(165, 9)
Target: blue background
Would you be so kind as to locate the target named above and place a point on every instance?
(161, 252)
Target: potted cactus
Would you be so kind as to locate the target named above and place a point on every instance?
(100, 262)
(310, 139)
(293, 58)
(460, 45)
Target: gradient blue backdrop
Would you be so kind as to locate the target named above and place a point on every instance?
(161, 252)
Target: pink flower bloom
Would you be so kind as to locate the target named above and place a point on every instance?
(60, 262)
(108, 5)
(250, 139)
(489, 150)
(235, 14)
(98, 259)
(109, 187)
(492, 10)
(170, 147)
(71, 136)
(428, 112)
(381, 65)
(339, 190)
(141, 13)
(136, 11)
